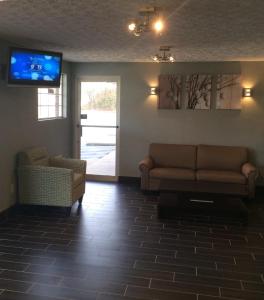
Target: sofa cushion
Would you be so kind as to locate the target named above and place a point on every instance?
(220, 176)
(221, 157)
(172, 173)
(173, 156)
(77, 179)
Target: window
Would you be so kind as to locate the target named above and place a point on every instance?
(52, 102)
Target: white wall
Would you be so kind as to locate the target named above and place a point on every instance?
(142, 123)
(19, 128)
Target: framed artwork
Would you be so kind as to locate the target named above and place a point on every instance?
(198, 91)
(170, 92)
(228, 91)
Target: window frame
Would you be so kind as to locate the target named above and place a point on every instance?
(63, 95)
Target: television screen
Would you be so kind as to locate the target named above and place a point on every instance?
(34, 67)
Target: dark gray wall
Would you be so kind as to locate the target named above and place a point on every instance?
(142, 123)
(19, 128)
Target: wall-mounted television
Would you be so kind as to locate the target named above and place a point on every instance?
(31, 67)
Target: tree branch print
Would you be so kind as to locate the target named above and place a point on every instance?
(198, 90)
(175, 90)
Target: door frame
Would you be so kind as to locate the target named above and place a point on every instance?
(77, 122)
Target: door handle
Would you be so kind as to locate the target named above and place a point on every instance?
(80, 127)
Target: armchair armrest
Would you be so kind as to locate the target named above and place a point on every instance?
(248, 170)
(77, 165)
(146, 164)
(45, 185)
(47, 174)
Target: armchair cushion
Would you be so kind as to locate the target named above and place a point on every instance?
(77, 165)
(34, 156)
(77, 179)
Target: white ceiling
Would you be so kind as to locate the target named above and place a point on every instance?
(96, 30)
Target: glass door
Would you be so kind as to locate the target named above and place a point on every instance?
(99, 111)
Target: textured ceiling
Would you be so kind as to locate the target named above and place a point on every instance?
(96, 30)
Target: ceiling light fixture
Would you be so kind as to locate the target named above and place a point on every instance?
(164, 56)
(149, 20)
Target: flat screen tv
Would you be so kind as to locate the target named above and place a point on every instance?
(34, 67)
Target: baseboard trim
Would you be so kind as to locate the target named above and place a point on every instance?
(259, 193)
(4, 215)
(128, 179)
(101, 178)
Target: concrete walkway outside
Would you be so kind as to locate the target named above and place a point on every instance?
(100, 159)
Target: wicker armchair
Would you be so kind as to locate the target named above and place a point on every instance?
(50, 181)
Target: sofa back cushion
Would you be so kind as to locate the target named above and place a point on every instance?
(174, 156)
(221, 157)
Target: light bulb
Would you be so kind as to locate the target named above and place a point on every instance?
(153, 91)
(136, 33)
(155, 58)
(247, 92)
(158, 25)
(132, 26)
(171, 58)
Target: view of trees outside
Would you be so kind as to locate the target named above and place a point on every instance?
(98, 96)
(99, 99)
(98, 102)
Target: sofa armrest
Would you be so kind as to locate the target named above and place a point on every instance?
(251, 173)
(248, 170)
(77, 165)
(146, 164)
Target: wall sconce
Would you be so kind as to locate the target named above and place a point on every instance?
(247, 92)
(153, 91)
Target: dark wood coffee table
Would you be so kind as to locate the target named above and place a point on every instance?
(173, 202)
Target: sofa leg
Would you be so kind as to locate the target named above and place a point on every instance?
(80, 200)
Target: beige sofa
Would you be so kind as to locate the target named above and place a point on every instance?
(202, 168)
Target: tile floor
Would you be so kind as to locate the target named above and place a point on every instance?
(114, 247)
